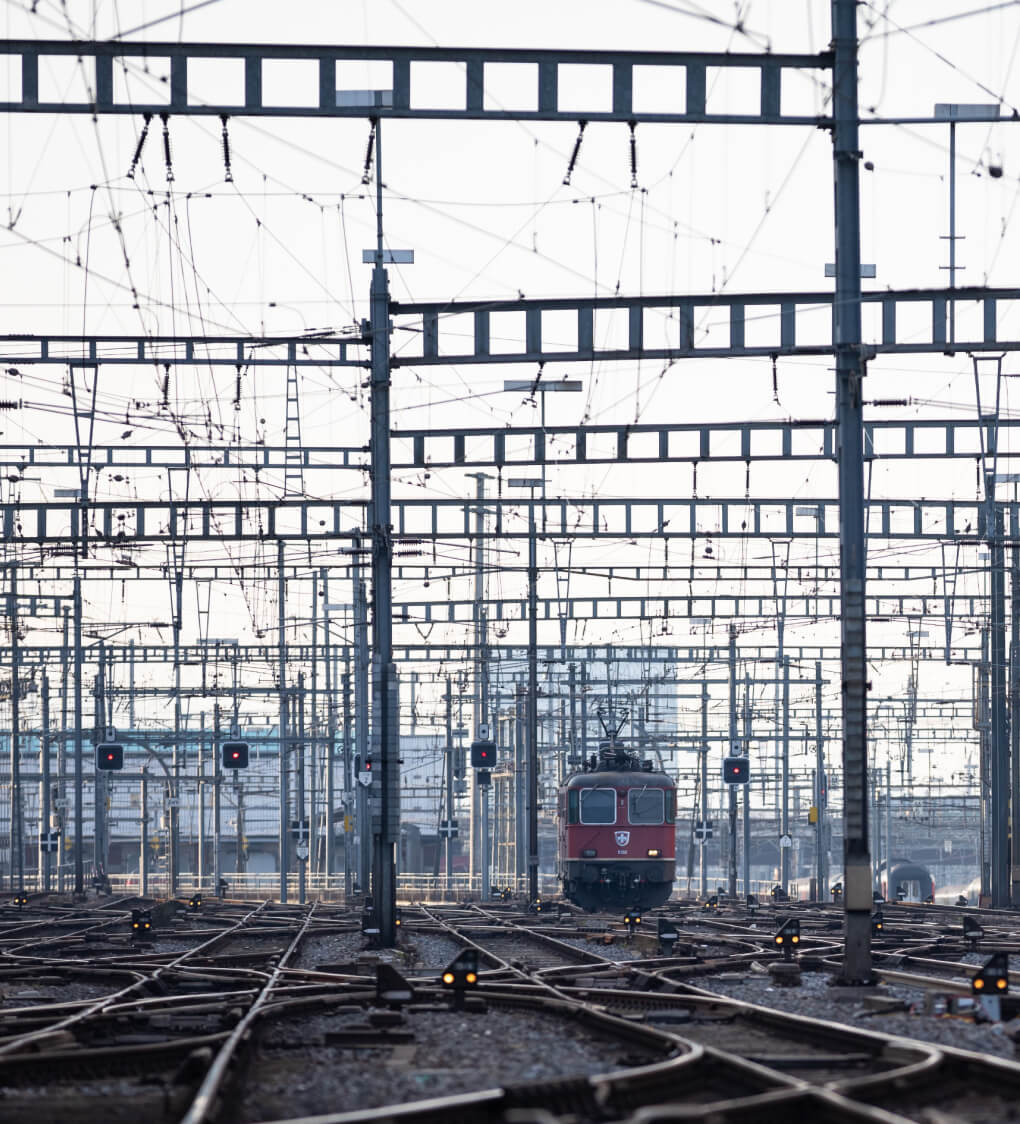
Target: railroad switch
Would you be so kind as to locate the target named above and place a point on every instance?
(391, 989)
(369, 927)
(383, 1019)
(668, 936)
(973, 931)
(461, 974)
(785, 973)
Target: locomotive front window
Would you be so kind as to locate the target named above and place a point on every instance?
(646, 805)
(598, 805)
(572, 806)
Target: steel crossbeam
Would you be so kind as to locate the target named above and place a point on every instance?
(714, 325)
(55, 567)
(647, 443)
(292, 519)
(682, 609)
(255, 458)
(316, 349)
(574, 329)
(694, 443)
(511, 658)
(544, 74)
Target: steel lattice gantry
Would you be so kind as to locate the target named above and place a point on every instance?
(854, 327)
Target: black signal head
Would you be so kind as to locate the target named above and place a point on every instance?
(993, 977)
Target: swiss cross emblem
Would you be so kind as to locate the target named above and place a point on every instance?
(622, 838)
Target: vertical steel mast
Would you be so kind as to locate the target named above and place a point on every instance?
(850, 427)
(385, 715)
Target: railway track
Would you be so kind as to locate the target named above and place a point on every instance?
(253, 1012)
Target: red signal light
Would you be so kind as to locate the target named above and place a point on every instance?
(109, 755)
(234, 755)
(483, 753)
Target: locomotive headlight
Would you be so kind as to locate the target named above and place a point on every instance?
(654, 853)
(589, 853)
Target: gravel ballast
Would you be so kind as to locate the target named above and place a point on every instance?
(298, 1072)
(815, 999)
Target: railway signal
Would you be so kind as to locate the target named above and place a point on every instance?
(20, 900)
(234, 755)
(483, 754)
(141, 925)
(993, 977)
(632, 919)
(737, 770)
(363, 771)
(109, 756)
(461, 974)
(877, 924)
(788, 936)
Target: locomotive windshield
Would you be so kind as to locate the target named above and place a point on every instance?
(646, 805)
(598, 805)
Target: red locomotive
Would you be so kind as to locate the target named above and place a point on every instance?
(617, 845)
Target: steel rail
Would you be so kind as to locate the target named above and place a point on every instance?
(205, 1099)
(21, 1041)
